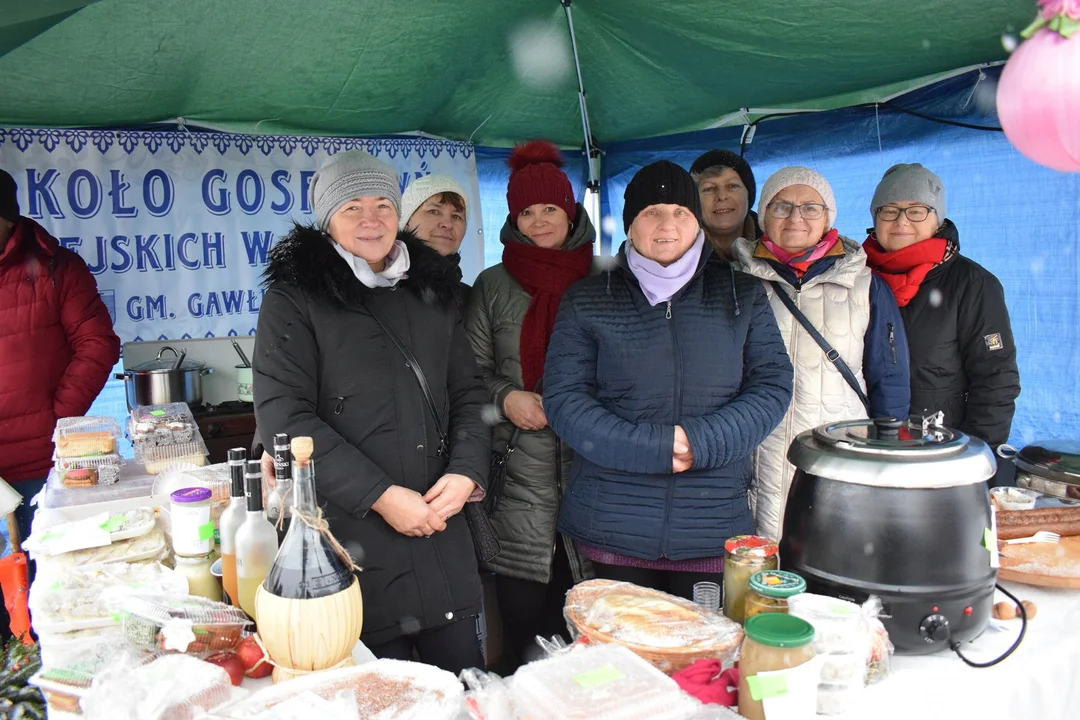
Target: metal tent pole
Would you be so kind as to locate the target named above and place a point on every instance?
(592, 153)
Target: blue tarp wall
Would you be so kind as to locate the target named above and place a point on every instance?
(1016, 218)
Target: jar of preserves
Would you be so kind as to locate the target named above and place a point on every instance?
(200, 580)
(769, 592)
(773, 641)
(744, 555)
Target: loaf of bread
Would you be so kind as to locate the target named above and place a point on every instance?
(84, 444)
(1023, 523)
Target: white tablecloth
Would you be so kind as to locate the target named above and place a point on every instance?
(1040, 681)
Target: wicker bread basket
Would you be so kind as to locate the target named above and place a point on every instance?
(710, 635)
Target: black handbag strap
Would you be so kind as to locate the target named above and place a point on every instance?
(421, 379)
(830, 352)
(514, 436)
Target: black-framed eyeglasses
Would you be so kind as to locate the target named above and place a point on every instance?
(808, 211)
(915, 213)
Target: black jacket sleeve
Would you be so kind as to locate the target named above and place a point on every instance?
(989, 357)
(285, 369)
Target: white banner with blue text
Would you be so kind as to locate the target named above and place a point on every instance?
(176, 225)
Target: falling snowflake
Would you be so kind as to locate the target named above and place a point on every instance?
(608, 225)
(541, 53)
(1009, 42)
(936, 298)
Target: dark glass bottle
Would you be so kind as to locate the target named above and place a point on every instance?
(306, 566)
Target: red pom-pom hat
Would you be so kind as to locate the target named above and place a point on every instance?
(535, 178)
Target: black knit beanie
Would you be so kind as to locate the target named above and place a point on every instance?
(728, 159)
(9, 203)
(662, 183)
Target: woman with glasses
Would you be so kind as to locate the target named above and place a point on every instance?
(963, 360)
(818, 283)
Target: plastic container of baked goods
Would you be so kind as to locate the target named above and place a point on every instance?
(151, 547)
(600, 682)
(81, 598)
(88, 471)
(83, 436)
(1014, 498)
(182, 623)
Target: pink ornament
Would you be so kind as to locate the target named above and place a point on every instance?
(1038, 100)
(1053, 8)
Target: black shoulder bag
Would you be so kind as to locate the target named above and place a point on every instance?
(485, 542)
(499, 460)
(830, 352)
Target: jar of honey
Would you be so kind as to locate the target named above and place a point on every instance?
(769, 592)
(744, 555)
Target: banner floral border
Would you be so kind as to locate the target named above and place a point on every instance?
(176, 141)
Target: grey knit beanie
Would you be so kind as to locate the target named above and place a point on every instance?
(347, 176)
(795, 175)
(910, 182)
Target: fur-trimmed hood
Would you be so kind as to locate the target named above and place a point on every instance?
(306, 259)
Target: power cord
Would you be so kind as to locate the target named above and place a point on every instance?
(955, 646)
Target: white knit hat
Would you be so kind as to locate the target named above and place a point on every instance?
(420, 189)
(796, 175)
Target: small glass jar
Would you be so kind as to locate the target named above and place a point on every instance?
(744, 555)
(200, 580)
(192, 528)
(774, 642)
(769, 592)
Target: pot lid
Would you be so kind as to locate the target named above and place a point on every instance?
(166, 363)
(891, 437)
(1054, 459)
(893, 453)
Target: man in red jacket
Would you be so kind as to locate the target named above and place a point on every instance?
(57, 345)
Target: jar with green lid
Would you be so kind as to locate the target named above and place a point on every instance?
(744, 555)
(769, 592)
(773, 641)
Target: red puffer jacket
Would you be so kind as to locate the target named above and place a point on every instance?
(57, 346)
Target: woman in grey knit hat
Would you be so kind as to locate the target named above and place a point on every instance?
(341, 293)
(963, 359)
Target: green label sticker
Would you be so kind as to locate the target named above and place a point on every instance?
(113, 524)
(763, 687)
(603, 675)
(206, 531)
(988, 539)
(157, 412)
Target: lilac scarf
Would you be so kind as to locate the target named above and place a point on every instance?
(660, 283)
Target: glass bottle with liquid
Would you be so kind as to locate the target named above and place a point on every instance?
(307, 566)
(256, 541)
(231, 520)
(280, 499)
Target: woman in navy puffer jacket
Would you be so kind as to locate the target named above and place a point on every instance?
(663, 374)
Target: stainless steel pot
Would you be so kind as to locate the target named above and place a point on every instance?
(1051, 467)
(165, 380)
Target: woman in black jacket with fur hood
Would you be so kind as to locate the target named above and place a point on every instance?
(325, 368)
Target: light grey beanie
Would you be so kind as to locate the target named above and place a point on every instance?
(796, 175)
(910, 182)
(420, 189)
(347, 176)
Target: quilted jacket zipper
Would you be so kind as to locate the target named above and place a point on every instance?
(677, 396)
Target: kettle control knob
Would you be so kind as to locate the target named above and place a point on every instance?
(934, 628)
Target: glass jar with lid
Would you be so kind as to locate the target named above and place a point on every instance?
(769, 592)
(773, 641)
(744, 555)
(200, 580)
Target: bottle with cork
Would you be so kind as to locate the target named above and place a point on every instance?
(309, 608)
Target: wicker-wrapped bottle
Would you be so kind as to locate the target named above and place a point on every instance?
(309, 609)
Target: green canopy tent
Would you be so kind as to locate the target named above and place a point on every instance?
(494, 71)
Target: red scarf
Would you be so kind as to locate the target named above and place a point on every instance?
(545, 275)
(802, 261)
(904, 270)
